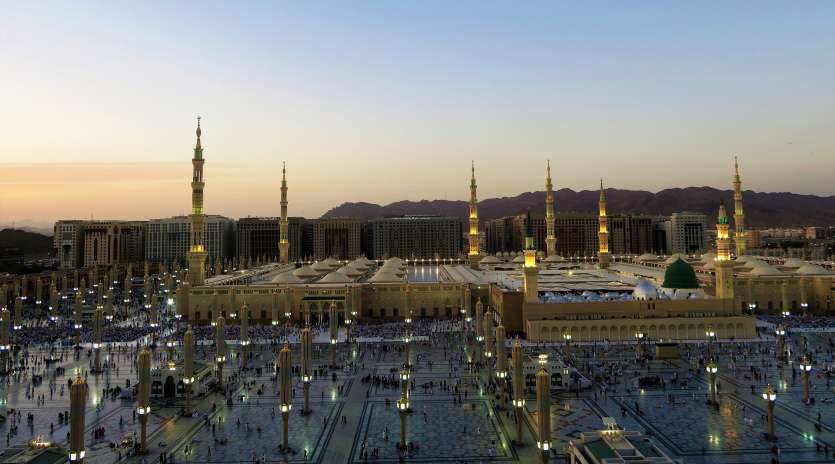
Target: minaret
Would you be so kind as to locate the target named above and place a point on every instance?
(739, 216)
(473, 233)
(197, 252)
(283, 243)
(78, 401)
(550, 237)
(530, 271)
(603, 231)
(723, 263)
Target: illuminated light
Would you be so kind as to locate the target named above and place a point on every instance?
(143, 410)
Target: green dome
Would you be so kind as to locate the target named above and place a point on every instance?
(679, 274)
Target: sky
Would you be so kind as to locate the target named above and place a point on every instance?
(385, 101)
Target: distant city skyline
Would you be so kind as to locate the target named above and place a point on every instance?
(381, 103)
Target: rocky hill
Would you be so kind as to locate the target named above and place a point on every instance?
(762, 209)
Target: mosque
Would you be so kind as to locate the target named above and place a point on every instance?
(537, 296)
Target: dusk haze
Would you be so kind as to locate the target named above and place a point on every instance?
(378, 232)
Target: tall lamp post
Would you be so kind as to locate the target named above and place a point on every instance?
(710, 334)
(770, 396)
(307, 348)
(566, 335)
(543, 403)
(78, 402)
(334, 332)
(712, 369)
(781, 342)
(284, 366)
(501, 363)
(518, 388)
(806, 368)
(220, 350)
(144, 400)
(489, 344)
(188, 366)
(245, 335)
(403, 407)
(639, 337)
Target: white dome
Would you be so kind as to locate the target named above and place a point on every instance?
(794, 262)
(707, 257)
(321, 267)
(385, 276)
(305, 272)
(335, 277)
(813, 269)
(519, 260)
(675, 257)
(762, 269)
(555, 259)
(647, 257)
(644, 290)
(490, 259)
(287, 278)
(350, 271)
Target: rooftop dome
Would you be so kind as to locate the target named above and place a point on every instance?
(385, 276)
(335, 277)
(707, 257)
(490, 259)
(813, 269)
(287, 278)
(331, 262)
(519, 260)
(647, 257)
(321, 267)
(674, 257)
(644, 290)
(351, 271)
(305, 272)
(679, 274)
(555, 259)
(794, 262)
(760, 268)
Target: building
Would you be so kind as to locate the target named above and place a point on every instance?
(167, 240)
(631, 235)
(258, 237)
(615, 445)
(686, 233)
(416, 237)
(113, 242)
(69, 245)
(337, 238)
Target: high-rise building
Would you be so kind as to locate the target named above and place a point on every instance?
(687, 233)
(68, 239)
(337, 238)
(416, 237)
(113, 242)
(167, 240)
(259, 237)
(632, 235)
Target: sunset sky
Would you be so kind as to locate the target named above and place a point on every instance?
(385, 101)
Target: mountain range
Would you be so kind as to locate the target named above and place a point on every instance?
(762, 209)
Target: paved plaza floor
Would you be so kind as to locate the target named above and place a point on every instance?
(454, 416)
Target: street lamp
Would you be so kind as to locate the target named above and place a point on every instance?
(543, 401)
(781, 342)
(712, 369)
(770, 396)
(710, 334)
(806, 368)
(639, 336)
(566, 335)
